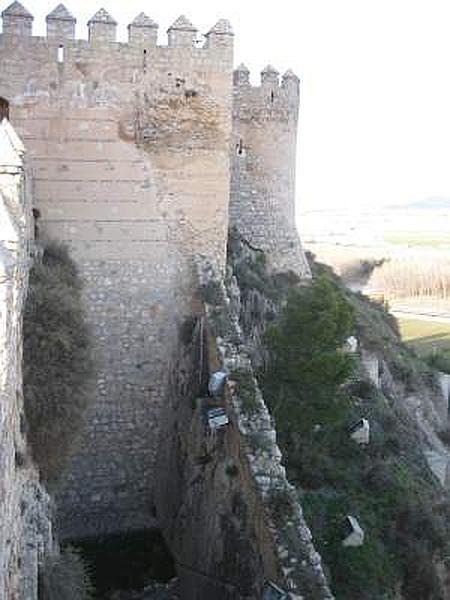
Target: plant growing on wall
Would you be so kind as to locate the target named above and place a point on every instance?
(56, 360)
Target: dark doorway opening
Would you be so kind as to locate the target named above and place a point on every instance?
(126, 562)
(4, 109)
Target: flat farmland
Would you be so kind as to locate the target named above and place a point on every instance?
(425, 334)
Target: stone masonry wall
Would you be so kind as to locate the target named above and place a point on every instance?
(25, 523)
(133, 150)
(262, 201)
(129, 153)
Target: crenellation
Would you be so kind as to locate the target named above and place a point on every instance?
(143, 31)
(269, 77)
(60, 24)
(17, 21)
(241, 76)
(181, 33)
(290, 83)
(102, 28)
(220, 37)
(142, 37)
(270, 101)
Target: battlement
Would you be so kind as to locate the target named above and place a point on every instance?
(271, 100)
(270, 78)
(102, 29)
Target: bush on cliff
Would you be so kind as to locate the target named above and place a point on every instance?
(56, 361)
(306, 366)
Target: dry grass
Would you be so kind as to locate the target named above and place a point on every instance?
(56, 359)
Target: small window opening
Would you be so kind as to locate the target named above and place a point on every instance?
(144, 60)
(4, 109)
(240, 148)
(36, 217)
(61, 54)
(272, 96)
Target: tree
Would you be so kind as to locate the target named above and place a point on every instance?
(306, 362)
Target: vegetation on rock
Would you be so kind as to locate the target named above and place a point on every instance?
(56, 360)
(306, 365)
(315, 395)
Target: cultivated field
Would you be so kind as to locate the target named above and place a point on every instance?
(424, 334)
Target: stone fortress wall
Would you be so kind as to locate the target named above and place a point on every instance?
(25, 524)
(132, 151)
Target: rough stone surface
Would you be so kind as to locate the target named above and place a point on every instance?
(25, 524)
(229, 515)
(130, 167)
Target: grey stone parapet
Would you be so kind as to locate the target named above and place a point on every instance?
(102, 27)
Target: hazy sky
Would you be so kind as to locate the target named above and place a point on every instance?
(375, 98)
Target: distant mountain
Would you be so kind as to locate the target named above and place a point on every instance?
(426, 204)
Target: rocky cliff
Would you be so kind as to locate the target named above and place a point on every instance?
(229, 515)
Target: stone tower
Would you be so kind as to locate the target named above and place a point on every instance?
(262, 201)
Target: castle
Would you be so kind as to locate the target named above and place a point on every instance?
(141, 158)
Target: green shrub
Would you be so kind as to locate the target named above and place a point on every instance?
(306, 366)
(362, 389)
(65, 577)
(440, 360)
(56, 359)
